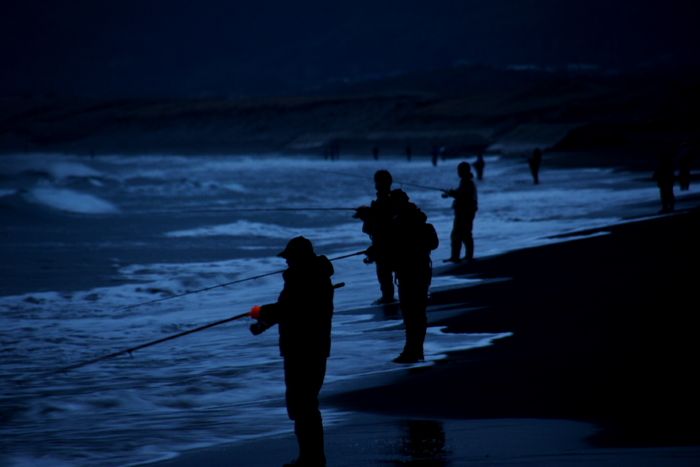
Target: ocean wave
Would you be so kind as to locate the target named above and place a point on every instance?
(345, 233)
(70, 201)
(55, 166)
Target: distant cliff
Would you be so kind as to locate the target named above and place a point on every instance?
(465, 110)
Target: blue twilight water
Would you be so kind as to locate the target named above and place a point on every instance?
(84, 238)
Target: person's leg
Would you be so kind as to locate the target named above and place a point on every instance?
(455, 241)
(414, 301)
(386, 280)
(467, 236)
(667, 198)
(304, 379)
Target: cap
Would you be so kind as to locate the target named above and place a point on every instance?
(298, 246)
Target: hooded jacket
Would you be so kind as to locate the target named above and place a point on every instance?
(413, 239)
(304, 309)
(378, 220)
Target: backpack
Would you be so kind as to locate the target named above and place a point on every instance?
(430, 237)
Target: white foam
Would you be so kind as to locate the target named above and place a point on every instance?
(175, 395)
(71, 201)
(57, 166)
(320, 236)
(71, 169)
(238, 228)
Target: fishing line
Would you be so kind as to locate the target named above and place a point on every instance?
(147, 344)
(224, 285)
(259, 210)
(371, 178)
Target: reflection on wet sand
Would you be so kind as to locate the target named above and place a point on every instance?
(422, 444)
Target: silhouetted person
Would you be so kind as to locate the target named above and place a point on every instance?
(335, 149)
(304, 311)
(412, 241)
(408, 153)
(434, 154)
(375, 153)
(479, 165)
(465, 205)
(535, 161)
(377, 224)
(685, 161)
(664, 177)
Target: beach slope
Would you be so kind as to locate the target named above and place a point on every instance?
(599, 369)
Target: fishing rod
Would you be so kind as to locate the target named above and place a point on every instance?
(127, 307)
(262, 209)
(395, 182)
(130, 350)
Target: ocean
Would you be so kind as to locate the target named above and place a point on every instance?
(97, 251)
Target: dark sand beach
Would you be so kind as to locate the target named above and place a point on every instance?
(599, 369)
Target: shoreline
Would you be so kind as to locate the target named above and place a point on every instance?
(605, 381)
(375, 440)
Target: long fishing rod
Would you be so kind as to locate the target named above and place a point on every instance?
(130, 350)
(395, 182)
(127, 307)
(262, 209)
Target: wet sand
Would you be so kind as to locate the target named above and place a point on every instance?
(600, 369)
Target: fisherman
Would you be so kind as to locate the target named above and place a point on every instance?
(664, 176)
(479, 165)
(304, 312)
(535, 161)
(376, 223)
(685, 162)
(434, 155)
(465, 205)
(412, 241)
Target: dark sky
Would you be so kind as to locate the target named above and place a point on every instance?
(125, 48)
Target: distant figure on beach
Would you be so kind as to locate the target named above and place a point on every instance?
(334, 149)
(535, 161)
(465, 205)
(434, 155)
(377, 220)
(408, 153)
(304, 311)
(479, 165)
(375, 153)
(685, 161)
(412, 241)
(664, 177)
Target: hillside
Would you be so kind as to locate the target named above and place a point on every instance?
(465, 109)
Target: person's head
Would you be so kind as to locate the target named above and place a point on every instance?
(298, 249)
(399, 200)
(464, 170)
(382, 181)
